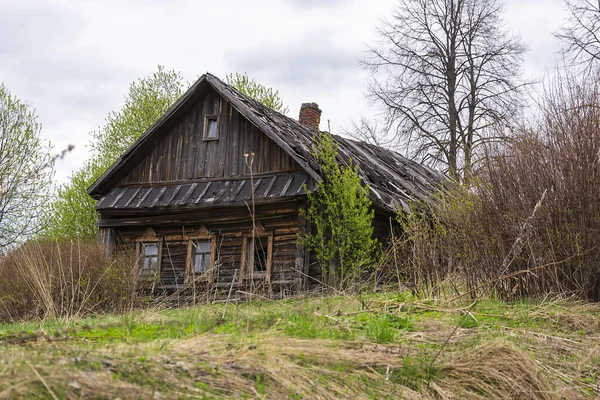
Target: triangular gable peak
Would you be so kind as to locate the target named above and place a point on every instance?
(210, 139)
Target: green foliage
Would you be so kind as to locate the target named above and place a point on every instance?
(468, 321)
(147, 100)
(384, 328)
(380, 330)
(72, 214)
(341, 217)
(25, 170)
(256, 91)
(415, 372)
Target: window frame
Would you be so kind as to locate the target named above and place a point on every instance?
(207, 120)
(249, 274)
(142, 257)
(192, 276)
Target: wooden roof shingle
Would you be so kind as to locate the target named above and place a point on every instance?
(394, 180)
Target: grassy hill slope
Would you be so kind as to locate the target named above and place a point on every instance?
(384, 345)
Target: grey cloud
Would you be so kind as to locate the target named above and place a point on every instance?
(317, 3)
(29, 29)
(312, 61)
(69, 85)
(543, 57)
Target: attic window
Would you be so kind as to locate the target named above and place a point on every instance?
(210, 128)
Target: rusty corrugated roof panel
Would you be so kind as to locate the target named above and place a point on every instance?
(206, 193)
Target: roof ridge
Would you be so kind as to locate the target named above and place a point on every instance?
(392, 177)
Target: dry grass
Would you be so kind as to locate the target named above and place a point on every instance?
(290, 368)
(494, 370)
(58, 279)
(542, 350)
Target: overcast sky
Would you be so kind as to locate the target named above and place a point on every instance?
(73, 60)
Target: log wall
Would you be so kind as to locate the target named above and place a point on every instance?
(229, 226)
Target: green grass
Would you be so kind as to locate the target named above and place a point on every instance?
(385, 328)
(380, 345)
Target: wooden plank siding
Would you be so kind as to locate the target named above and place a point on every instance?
(283, 221)
(182, 153)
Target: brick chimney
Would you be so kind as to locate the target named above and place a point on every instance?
(310, 116)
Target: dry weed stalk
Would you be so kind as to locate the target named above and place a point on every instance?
(66, 279)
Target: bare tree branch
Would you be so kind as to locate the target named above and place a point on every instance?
(581, 34)
(445, 73)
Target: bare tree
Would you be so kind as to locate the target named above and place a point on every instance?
(368, 131)
(445, 73)
(581, 33)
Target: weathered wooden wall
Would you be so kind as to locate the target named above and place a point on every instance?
(229, 226)
(183, 154)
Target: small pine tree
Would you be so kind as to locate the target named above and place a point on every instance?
(341, 217)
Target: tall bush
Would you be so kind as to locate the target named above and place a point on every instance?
(558, 154)
(52, 279)
(341, 216)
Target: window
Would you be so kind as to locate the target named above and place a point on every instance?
(150, 264)
(210, 128)
(257, 257)
(149, 251)
(201, 256)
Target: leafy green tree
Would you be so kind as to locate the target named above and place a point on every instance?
(72, 214)
(341, 216)
(256, 91)
(25, 170)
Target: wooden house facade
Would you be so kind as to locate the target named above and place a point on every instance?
(211, 195)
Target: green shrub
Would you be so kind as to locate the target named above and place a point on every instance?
(341, 216)
(384, 328)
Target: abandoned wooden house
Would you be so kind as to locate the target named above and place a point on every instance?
(184, 194)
